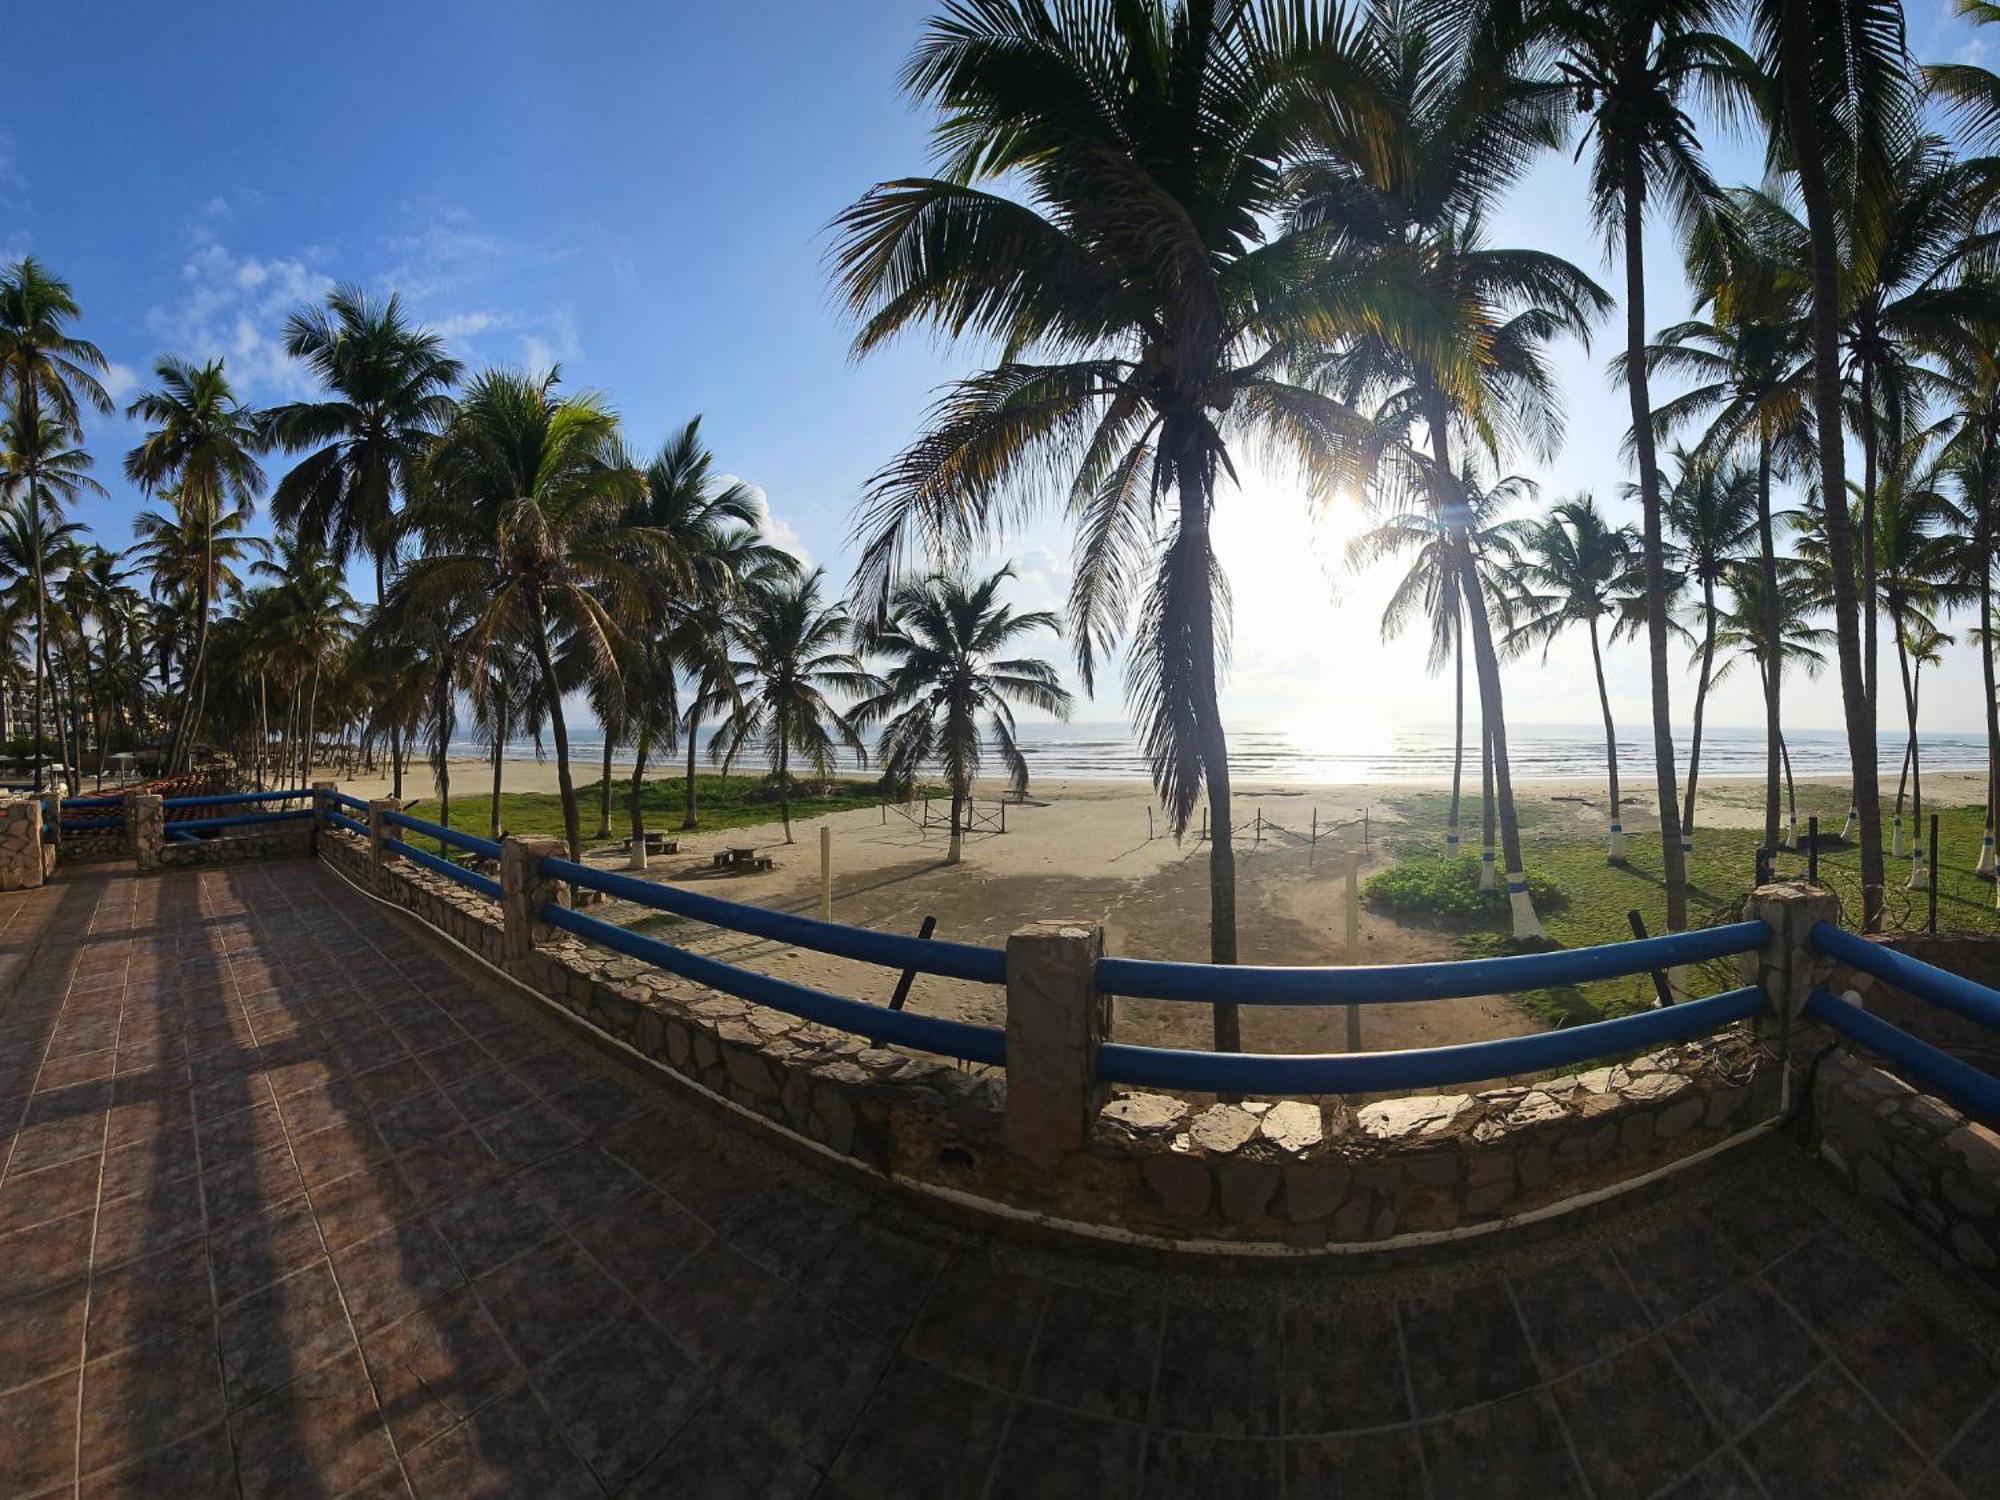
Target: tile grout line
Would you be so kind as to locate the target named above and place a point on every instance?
(1014, 1398)
(1410, 1392)
(96, 1210)
(1547, 1388)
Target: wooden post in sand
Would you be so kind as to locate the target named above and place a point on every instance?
(825, 873)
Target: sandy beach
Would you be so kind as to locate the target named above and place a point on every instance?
(1080, 849)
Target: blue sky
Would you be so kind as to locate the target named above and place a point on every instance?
(640, 192)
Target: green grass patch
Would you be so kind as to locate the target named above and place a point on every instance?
(1594, 895)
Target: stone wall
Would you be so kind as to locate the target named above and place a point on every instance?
(1976, 958)
(1302, 1173)
(23, 864)
(288, 840)
(1914, 1155)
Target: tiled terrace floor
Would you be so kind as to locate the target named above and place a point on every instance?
(293, 1205)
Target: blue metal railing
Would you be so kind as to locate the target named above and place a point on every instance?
(485, 848)
(1973, 1090)
(69, 802)
(1389, 984)
(1925, 981)
(983, 1044)
(239, 820)
(90, 825)
(339, 821)
(341, 799)
(486, 885)
(1374, 1072)
(893, 950)
(236, 799)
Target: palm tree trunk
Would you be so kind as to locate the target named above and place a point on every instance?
(499, 755)
(1673, 862)
(1193, 566)
(1912, 759)
(690, 814)
(784, 775)
(444, 753)
(604, 800)
(395, 729)
(1984, 552)
(1700, 704)
(1488, 879)
(1807, 153)
(1773, 626)
(952, 852)
(1617, 854)
(312, 730)
(640, 746)
(559, 732)
(1871, 668)
(263, 729)
(1457, 736)
(1791, 789)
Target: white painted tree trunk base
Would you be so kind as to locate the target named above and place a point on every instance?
(1896, 840)
(1618, 843)
(1526, 923)
(638, 859)
(1451, 841)
(1985, 865)
(1847, 827)
(1489, 876)
(1920, 873)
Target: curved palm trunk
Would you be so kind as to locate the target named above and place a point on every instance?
(1814, 190)
(1488, 877)
(559, 732)
(784, 775)
(1673, 861)
(1870, 660)
(1457, 738)
(395, 729)
(306, 756)
(1791, 792)
(1913, 763)
(500, 722)
(444, 755)
(690, 814)
(604, 800)
(29, 417)
(1700, 704)
(1767, 557)
(1617, 853)
(1983, 550)
(640, 746)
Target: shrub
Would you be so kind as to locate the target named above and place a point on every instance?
(1448, 890)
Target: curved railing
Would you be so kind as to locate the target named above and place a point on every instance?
(1925, 981)
(237, 799)
(1392, 984)
(484, 848)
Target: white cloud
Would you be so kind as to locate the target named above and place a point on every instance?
(234, 306)
(119, 381)
(779, 532)
(464, 325)
(542, 352)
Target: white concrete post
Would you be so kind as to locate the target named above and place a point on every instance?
(1055, 1021)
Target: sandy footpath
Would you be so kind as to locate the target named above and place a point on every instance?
(1080, 850)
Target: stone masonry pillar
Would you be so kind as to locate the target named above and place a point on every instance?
(524, 891)
(146, 817)
(322, 805)
(1788, 967)
(1055, 1021)
(21, 867)
(378, 827)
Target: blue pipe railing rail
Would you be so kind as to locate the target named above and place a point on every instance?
(91, 825)
(892, 950)
(339, 820)
(1391, 984)
(238, 820)
(1925, 981)
(237, 799)
(1973, 1090)
(486, 885)
(484, 848)
(962, 1039)
(69, 802)
(356, 804)
(1427, 1067)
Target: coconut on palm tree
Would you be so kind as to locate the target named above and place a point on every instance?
(1107, 211)
(1580, 570)
(387, 398)
(203, 448)
(944, 636)
(795, 653)
(46, 376)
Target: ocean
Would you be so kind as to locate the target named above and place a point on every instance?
(1108, 750)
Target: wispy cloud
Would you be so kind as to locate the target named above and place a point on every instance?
(779, 532)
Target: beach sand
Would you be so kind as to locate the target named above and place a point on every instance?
(1079, 850)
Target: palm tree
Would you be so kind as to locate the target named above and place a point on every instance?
(1971, 460)
(34, 548)
(1712, 513)
(1432, 586)
(1919, 644)
(45, 372)
(944, 635)
(388, 398)
(1744, 635)
(1463, 125)
(1581, 570)
(794, 653)
(1632, 66)
(1841, 99)
(191, 558)
(202, 444)
(1748, 371)
(504, 708)
(520, 513)
(1106, 210)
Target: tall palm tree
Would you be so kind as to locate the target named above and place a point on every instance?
(944, 636)
(1463, 123)
(1106, 210)
(1581, 570)
(1971, 462)
(520, 513)
(203, 445)
(1432, 587)
(1841, 103)
(1712, 514)
(505, 707)
(1919, 644)
(388, 397)
(191, 558)
(33, 548)
(46, 374)
(1744, 635)
(1633, 67)
(705, 629)
(1747, 369)
(795, 651)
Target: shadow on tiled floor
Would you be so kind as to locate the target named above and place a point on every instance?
(295, 1205)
